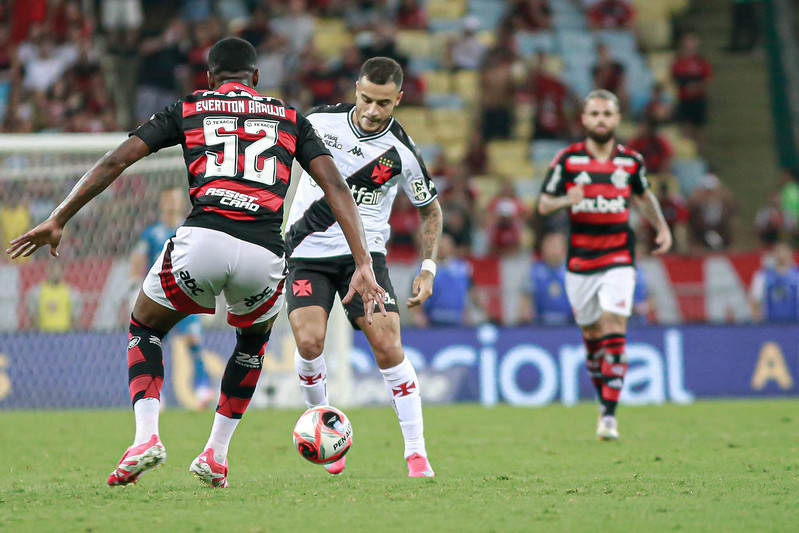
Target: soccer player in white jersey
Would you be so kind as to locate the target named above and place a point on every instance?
(597, 180)
(375, 156)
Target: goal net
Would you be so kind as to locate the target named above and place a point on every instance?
(63, 322)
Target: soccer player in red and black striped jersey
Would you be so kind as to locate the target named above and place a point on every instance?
(596, 180)
(239, 147)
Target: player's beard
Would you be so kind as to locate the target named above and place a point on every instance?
(601, 138)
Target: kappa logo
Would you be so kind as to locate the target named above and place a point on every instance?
(583, 178)
(249, 360)
(134, 341)
(302, 287)
(355, 150)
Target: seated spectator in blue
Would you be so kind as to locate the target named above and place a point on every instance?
(774, 293)
(448, 305)
(642, 299)
(147, 251)
(545, 300)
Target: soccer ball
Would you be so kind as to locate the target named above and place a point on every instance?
(323, 435)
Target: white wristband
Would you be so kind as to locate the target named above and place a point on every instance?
(430, 266)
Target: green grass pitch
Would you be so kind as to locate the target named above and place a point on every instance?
(711, 466)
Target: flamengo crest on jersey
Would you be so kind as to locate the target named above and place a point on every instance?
(238, 147)
(372, 165)
(600, 236)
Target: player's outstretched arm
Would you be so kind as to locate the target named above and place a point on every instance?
(548, 203)
(95, 181)
(325, 173)
(649, 206)
(431, 233)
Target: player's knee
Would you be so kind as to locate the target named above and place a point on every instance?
(310, 347)
(387, 353)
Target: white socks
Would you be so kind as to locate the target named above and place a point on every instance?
(313, 379)
(146, 413)
(221, 433)
(403, 389)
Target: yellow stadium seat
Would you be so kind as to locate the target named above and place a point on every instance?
(467, 85)
(414, 42)
(655, 32)
(446, 9)
(486, 187)
(331, 37)
(454, 151)
(660, 64)
(508, 150)
(439, 81)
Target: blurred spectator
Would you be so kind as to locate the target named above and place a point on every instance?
(526, 15)
(53, 304)
(497, 93)
(459, 201)
(692, 73)
(544, 300)
(677, 215)
(745, 27)
(161, 56)
(15, 217)
(772, 223)
(654, 147)
(659, 107)
(203, 36)
(411, 15)
(465, 50)
(46, 64)
(452, 288)
(609, 74)
(643, 301)
(611, 15)
(296, 26)
(789, 192)
(476, 158)
(774, 292)
(555, 107)
(711, 209)
(506, 215)
(121, 16)
(363, 15)
(404, 221)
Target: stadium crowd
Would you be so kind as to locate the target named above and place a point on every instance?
(107, 65)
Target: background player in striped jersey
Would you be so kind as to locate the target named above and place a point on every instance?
(372, 150)
(172, 211)
(596, 179)
(238, 159)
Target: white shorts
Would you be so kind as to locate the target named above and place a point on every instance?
(197, 264)
(590, 294)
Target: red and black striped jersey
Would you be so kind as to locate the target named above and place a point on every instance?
(239, 147)
(600, 236)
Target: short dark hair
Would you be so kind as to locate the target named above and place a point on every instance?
(232, 55)
(382, 70)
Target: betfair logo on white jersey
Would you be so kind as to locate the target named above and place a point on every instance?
(583, 178)
(365, 196)
(600, 204)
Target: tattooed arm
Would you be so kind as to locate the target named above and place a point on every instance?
(649, 207)
(430, 234)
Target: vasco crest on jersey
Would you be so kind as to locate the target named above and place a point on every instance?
(620, 178)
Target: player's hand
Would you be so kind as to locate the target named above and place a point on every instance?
(364, 283)
(48, 232)
(422, 288)
(663, 241)
(576, 194)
